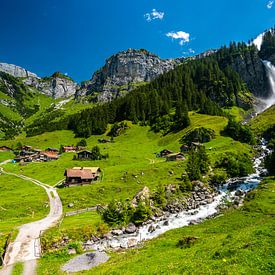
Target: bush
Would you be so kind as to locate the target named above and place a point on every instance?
(116, 213)
(185, 185)
(82, 142)
(199, 135)
(141, 213)
(198, 163)
(219, 177)
(236, 165)
(239, 132)
(159, 196)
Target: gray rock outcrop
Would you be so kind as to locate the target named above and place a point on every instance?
(55, 86)
(124, 71)
(252, 71)
(16, 71)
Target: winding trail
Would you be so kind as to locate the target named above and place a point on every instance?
(26, 248)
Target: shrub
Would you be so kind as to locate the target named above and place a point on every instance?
(239, 132)
(236, 165)
(82, 142)
(199, 135)
(219, 177)
(141, 213)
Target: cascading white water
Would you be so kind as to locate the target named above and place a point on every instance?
(270, 69)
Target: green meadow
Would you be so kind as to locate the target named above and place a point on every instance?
(131, 165)
(21, 202)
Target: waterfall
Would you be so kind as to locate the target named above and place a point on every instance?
(270, 69)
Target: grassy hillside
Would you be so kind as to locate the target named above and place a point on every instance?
(237, 242)
(132, 164)
(263, 121)
(21, 202)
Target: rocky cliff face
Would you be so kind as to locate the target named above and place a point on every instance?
(252, 70)
(56, 86)
(123, 71)
(15, 71)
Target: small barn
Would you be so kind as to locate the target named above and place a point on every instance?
(54, 150)
(70, 148)
(48, 156)
(5, 148)
(84, 155)
(175, 156)
(184, 148)
(81, 175)
(165, 152)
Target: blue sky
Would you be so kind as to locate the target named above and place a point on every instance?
(77, 36)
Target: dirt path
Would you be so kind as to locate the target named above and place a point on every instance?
(26, 247)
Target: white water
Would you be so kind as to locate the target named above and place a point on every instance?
(268, 102)
(258, 41)
(226, 192)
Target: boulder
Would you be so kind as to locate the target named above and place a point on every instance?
(142, 195)
(151, 229)
(71, 251)
(130, 229)
(117, 232)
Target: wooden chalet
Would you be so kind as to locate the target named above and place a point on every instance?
(26, 148)
(48, 156)
(81, 175)
(175, 156)
(5, 148)
(84, 155)
(165, 152)
(52, 150)
(184, 148)
(69, 149)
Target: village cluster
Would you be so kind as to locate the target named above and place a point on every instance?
(80, 175)
(74, 176)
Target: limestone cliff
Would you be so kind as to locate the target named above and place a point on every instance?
(15, 71)
(56, 86)
(124, 71)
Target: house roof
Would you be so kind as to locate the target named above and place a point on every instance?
(52, 149)
(80, 173)
(84, 152)
(50, 154)
(92, 169)
(6, 147)
(175, 154)
(69, 147)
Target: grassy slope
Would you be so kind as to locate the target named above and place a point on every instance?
(238, 242)
(132, 152)
(263, 121)
(21, 202)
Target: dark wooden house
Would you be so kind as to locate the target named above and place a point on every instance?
(5, 148)
(165, 152)
(175, 156)
(84, 155)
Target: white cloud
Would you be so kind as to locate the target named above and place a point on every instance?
(182, 36)
(270, 4)
(154, 15)
(189, 52)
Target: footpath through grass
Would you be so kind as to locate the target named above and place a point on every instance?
(241, 241)
(21, 202)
